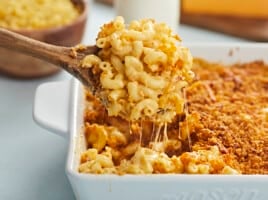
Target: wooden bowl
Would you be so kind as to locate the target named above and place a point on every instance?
(23, 66)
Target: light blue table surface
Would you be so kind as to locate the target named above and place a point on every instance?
(32, 160)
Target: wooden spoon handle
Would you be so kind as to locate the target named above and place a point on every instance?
(47, 52)
(67, 58)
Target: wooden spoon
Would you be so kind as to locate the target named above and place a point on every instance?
(68, 58)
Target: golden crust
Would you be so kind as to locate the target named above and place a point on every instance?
(225, 131)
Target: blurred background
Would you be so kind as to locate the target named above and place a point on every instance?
(242, 18)
(32, 164)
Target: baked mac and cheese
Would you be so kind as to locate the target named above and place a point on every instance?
(227, 124)
(143, 69)
(150, 120)
(36, 14)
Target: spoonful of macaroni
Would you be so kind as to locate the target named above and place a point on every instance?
(138, 70)
(143, 70)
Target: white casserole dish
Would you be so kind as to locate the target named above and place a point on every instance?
(59, 108)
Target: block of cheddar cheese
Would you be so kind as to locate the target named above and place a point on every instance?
(243, 18)
(237, 8)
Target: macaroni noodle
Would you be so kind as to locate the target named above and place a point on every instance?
(226, 126)
(146, 61)
(36, 14)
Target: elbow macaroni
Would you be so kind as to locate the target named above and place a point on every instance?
(115, 147)
(145, 60)
(216, 137)
(36, 14)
